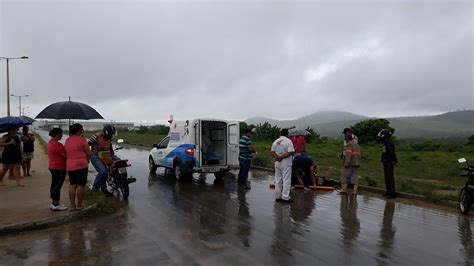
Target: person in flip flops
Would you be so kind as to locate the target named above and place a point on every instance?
(77, 163)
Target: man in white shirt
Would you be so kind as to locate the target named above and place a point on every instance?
(282, 151)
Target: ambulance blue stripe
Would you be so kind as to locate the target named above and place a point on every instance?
(180, 152)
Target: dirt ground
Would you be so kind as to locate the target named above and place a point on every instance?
(31, 202)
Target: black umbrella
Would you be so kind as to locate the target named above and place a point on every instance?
(69, 110)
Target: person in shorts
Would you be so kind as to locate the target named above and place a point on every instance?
(11, 155)
(28, 140)
(351, 164)
(77, 163)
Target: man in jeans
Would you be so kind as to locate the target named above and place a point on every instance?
(245, 157)
(102, 154)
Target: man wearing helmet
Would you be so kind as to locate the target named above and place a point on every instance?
(389, 160)
(102, 154)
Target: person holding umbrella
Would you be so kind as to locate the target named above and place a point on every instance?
(11, 155)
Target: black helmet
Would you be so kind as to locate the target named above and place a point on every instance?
(384, 133)
(109, 131)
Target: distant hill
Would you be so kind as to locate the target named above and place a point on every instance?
(312, 119)
(330, 117)
(458, 124)
(261, 120)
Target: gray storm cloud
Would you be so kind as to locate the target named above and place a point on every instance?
(143, 61)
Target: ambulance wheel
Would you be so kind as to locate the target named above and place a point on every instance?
(220, 174)
(179, 174)
(151, 165)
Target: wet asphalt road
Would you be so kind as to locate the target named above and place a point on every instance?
(188, 223)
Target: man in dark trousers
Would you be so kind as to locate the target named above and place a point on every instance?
(245, 157)
(303, 168)
(389, 161)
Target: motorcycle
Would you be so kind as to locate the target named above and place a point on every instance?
(117, 178)
(466, 196)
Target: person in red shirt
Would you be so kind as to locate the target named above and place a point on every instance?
(77, 163)
(299, 144)
(57, 167)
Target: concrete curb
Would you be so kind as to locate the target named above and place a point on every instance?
(45, 223)
(377, 190)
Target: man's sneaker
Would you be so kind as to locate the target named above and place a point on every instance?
(57, 207)
(131, 180)
(287, 201)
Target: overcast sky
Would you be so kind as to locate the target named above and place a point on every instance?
(239, 59)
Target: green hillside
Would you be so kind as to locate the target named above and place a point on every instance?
(458, 124)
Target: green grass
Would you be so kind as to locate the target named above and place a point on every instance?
(435, 174)
(103, 205)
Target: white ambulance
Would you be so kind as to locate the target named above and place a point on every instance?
(197, 146)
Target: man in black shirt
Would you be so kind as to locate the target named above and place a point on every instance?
(389, 161)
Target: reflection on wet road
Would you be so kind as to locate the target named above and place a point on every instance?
(166, 222)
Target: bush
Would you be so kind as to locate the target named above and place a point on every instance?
(261, 161)
(470, 141)
(313, 136)
(371, 182)
(366, 131)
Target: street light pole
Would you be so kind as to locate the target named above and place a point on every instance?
(8, 78)
(19, 100)
(23, 110)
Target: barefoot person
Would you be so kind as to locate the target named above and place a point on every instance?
(57, 167)
(11, 155)
(28, 140)
(77, 162)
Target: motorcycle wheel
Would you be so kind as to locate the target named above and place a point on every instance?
(151, 165)
(465, 202)
(125, 191)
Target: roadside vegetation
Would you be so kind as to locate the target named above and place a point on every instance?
(103, 205)
(426, 167)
